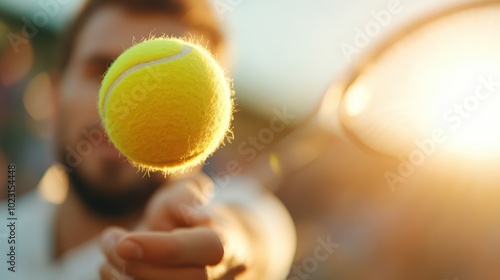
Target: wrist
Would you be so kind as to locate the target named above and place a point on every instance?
(264, 225)
(240, 244)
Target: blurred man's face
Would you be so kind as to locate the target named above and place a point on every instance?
(103, 178)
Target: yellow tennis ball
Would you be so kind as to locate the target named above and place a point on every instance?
(166, 104)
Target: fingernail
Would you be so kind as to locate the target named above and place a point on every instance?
(109, 240)
(129, 250)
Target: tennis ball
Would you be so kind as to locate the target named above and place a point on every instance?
(166, 104)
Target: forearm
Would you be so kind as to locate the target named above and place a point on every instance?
(265, 234)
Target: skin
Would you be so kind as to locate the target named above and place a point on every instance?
(152, 253)
(105, 36)
(179, 246)
(108, 32)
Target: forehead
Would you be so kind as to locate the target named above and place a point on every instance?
(112, 29)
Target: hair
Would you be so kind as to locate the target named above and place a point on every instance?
(197, 14)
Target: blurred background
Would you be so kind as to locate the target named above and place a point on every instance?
(439, 223)
(284, 53)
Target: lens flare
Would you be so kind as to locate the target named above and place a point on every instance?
(444, 74)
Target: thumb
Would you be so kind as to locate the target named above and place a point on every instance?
(180, 204)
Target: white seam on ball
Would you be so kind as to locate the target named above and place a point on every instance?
(185, 50)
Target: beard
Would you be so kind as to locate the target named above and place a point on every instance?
(113, 190)
(111, 205)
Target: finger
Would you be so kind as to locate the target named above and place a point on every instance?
(103, 272)
(180, 204)
(109, 240)
(150, 272)
(190, 246)
(204, 184)
(134, 271)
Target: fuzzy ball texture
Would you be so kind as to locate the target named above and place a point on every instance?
(166, 104)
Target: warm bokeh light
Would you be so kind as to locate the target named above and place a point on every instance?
(16, 61)
(4, 29)
(358, 99)
(54, 185)
(473, 121)
(36, 97)
(444, 75)
(275, 164)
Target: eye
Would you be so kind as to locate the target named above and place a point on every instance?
(96, 69)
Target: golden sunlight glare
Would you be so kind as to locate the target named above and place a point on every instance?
(442, 76)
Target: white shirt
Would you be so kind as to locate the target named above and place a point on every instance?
(35, 225)
(34, 239)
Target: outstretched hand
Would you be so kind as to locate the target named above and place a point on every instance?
(183, 238)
